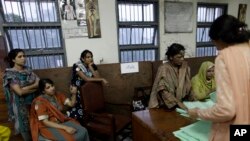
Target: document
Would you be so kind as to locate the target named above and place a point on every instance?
(195, 104)
(198, 131)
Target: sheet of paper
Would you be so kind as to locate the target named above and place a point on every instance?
(129, 67)
(198, 131)
(195, 104)
(183, 136)
(199, 104)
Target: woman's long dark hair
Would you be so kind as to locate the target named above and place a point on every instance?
(43, 82)
(174, 49)
(229, 29)
(12, 55)
(84, 53)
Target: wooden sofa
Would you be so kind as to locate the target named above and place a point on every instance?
(119, 95)
(121, 90)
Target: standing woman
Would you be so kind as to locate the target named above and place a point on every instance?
(83, 71)
(20, 85)
(172, 84)
(232, 75)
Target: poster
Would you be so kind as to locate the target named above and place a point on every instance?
(93, 18)
(73, 15)
(178, 17)
(242, 12)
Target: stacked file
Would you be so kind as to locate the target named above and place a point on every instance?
(198, 104)
(198, 131)
(195, 104)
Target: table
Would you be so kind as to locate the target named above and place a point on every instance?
(157, 125)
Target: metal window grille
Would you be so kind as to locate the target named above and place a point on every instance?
(138, 30)
(34, 26)
(206, 14)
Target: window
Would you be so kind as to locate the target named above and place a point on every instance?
(206, 14)
(138, 38)
(34, 26)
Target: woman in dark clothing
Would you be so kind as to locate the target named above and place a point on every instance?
(83, 71)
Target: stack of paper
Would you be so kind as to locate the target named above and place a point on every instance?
(195, 104)
(198, 131)
(199, 104)
(213, 96)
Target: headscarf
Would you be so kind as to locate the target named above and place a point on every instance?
(200, 85)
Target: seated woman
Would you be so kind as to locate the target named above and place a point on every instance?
(172, 83)
(83, 71)
(203, 83)
(47, 120)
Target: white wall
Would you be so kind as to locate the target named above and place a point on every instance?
(189, 39)
(103, 48)
(106, 47)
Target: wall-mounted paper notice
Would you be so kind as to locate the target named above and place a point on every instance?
(129, 67)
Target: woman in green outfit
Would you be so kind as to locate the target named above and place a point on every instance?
(203, 83)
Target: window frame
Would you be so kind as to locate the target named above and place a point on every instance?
(43, 52)
(208, 44)
(139, 24)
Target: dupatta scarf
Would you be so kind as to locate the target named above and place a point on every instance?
(18, 105)
(34, 118)
(200, 85)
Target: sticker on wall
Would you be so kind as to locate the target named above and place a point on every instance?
(129, 67)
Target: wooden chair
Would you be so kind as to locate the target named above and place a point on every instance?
(98, 121)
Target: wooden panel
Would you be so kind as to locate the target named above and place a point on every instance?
(194, 64)
(142, 134)
(121, 89)
(3, 53)
(60, 76)
(3, 111)
(1, 85)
